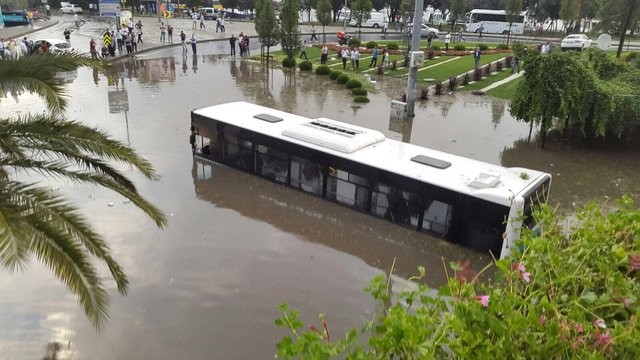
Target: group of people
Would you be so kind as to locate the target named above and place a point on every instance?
(195, 17)
(166, 33)
(243, 44)
(128, 37)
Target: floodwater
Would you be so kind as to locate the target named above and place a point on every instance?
(207, 286)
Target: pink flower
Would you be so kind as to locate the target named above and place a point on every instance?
(542, 319)
(579, 342)
(625, 302)
(524, 275)
(483, 299)
(634, 262)
(599, 323)
(579, 329)
(604, 341)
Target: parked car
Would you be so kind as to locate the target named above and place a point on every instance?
(575, 42)
(71, 9)
(236, 15)
(55, 45)
(424, 32)
(210, 13)
(375, 20)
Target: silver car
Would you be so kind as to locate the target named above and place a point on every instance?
(575, 42)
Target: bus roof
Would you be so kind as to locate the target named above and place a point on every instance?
(467, 176)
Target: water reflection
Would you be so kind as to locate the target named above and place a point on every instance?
(375, 241)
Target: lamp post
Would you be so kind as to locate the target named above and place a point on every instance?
(344, 22)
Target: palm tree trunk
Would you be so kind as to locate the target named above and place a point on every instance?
(627, 23)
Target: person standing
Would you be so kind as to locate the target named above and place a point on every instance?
(183, 40)
(67, 35)
(476, 57)
(48, 9)
(516, 62)
(313, 33)
(194, 18)
(193, 44)
(345, 56)
(139, 32)
(303, 50)
(202, 22)
(374, 57)
(385, 26)
(93, 49)
(480, 30)
(170, 33)
(429, 39)
(221, 23)
(232, 43)
(385, 59)
(128, 42)
(162, 32)
(353, 59)
(357, 57)
(324, 54)
(447, 40)
(246, 45)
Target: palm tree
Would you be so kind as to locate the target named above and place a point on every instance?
(34, 221)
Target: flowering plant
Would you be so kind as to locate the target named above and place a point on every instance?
(563, 294)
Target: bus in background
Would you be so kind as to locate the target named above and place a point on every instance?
(493, 21)
(13, 18)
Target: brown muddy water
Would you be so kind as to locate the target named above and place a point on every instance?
(207, 287)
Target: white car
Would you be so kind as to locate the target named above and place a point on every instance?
(71, 9)
(55, 46)
(575, 41)
(424, 32)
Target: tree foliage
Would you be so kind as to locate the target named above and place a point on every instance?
(620, 16)
(289, 34)
(458, 9)
(266, 24)
(590, 96)
(561, 295)
(34, 220)
(361, 12)
(513, 8)
(323, 13)
(307, 5)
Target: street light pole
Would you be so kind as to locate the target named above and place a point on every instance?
(415, 46)
(344, 22)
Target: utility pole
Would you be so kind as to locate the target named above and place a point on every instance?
(413, 70)
(344, 22)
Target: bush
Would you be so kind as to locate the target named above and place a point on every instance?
(483, 47)
(424, 93)
(437, 89)
(459, 47)
(335, 74)
(288, 63)
(453, 81)
(342, 79)
(393, 46)
(323, 70)
(477, 74)
(499, 66)
(353, 42)
(502, 47)
(354, 83)
(359, 91)
(508, 60)
(430, 54)
(361, 99)
(436, 48)
(465, 79)
(306, 66)
(487, 70)
(371, 44)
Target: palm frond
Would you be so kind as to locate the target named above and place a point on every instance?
(36, 74)
(63, 240)
(71, 140)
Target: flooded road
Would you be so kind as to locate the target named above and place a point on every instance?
(207, 287)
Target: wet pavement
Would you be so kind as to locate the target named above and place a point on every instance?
(207, 287)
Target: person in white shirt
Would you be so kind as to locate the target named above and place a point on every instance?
(193, 43)
(194, 17)
(324, 54)
(447, 40)
(345, 56)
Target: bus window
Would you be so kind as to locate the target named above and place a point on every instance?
(272, 163)
(437, 217)
(347, 188)
(306, 175)
(399, 206)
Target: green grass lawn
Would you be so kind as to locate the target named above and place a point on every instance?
(455, 67)
(505, 91)
(505, 73)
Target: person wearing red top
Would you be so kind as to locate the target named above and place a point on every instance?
(92, 48)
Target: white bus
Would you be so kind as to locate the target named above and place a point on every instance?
(469, 202)
(493, 21)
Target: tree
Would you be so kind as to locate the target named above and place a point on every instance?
(458, 9)
(361, 12)
(307, 5)
(323, 13)
(289, 34)
(513, 8)
(229, 4)
(267, 24)
(622, 15)
(35, 221)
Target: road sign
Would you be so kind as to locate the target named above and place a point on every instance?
(109, 8)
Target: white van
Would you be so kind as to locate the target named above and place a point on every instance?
(209, 13)
(376, 19)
